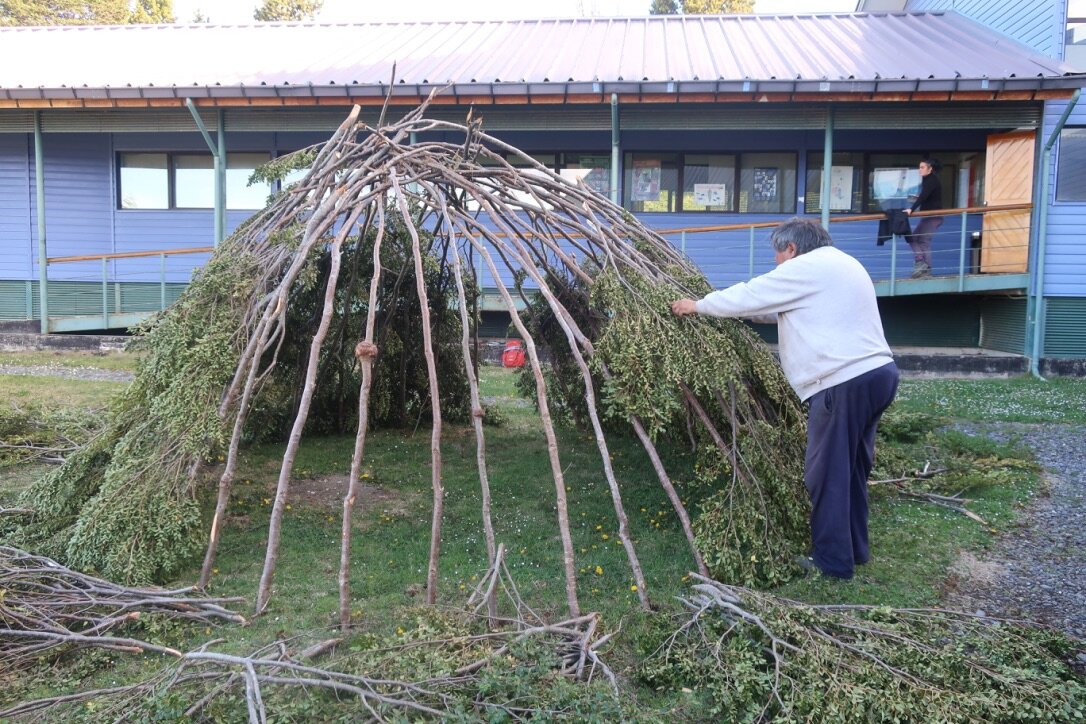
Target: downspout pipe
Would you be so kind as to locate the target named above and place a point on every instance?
(827, 168)
(39, 193)
(1041, 236)
(614, 149)
(218, 152)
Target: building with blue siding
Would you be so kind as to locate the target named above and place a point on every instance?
(708, 128)
(1055, 320)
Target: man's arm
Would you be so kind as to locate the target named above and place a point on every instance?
(685, 307)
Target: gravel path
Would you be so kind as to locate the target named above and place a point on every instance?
(71, 373)
(1036, 570)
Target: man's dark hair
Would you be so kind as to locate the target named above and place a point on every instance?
(806, 234)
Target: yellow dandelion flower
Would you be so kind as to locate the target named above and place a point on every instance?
(289, 507)
(633, 588)
(605, 537)
(599, 570)
(400, 631)
(599, 527)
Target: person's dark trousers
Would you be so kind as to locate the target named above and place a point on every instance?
(840, 452)
(920, 239)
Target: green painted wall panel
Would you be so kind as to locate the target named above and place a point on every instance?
(1065, 327)
(931, 321)
(69, 299)
(1003, 324)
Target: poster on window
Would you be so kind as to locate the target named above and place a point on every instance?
(894, 183)
(765, 184)
(709, 194)
(841, 188)
(646, 179)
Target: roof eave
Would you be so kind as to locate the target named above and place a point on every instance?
(773, 86)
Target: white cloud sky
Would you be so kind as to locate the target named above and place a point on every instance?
(342, 11)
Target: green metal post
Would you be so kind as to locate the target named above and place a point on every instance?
(162, 280)
(218, 152)
(614, 148)
(961, 256)
(682, 241)
(893, 264)
(750, 267)
(827, 169)
(105, 293)
(39, 190)
(1035, 325)
(220, 182)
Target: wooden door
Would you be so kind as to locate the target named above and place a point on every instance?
(1005, 243)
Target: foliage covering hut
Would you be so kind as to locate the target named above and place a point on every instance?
(349, 301)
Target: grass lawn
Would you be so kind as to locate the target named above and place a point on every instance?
(56, 392)
(70, 358)
(912, 543)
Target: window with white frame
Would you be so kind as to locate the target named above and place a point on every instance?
(1071, 165)
(164, 180)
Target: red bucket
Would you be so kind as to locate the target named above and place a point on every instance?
(513, 354)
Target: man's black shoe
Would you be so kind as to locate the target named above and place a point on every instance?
(807, 564)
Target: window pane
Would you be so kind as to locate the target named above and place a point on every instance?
(651, 182)
(593, 169)
(1071, 171)
(239, 194)
(708, 182)
(846, 183)
(767, 183)
(194, 182)
(144, 181)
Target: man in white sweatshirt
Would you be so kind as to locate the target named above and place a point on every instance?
(834, 354)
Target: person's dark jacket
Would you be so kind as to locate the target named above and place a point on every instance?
(930, 197)
(896, 223)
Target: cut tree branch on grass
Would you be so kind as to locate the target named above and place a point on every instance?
(45, 607)
(853, 659)
(951, 502)
(203, 676)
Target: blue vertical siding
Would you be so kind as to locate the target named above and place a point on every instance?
(78, 202)
(15, 188)
(1037, 23)
(1065, 252)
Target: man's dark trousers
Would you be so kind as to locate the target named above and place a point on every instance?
(840, 453)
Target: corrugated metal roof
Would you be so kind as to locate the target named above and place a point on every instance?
(861, 52)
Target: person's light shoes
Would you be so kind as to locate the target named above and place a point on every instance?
(920, 269)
